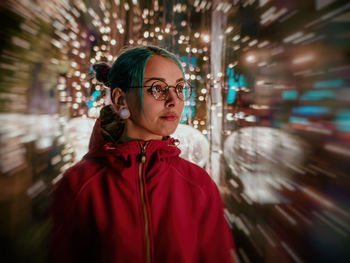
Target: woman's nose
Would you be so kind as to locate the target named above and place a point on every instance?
(172, 98)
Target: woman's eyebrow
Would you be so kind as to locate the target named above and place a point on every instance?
(155, 78)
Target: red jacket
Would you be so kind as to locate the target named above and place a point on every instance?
(138, 202)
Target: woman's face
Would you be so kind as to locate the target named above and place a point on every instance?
(160, 118)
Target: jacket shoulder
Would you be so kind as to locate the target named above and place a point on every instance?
(195, 174)
(77, 176)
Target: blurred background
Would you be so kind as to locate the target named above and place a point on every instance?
(270, 112)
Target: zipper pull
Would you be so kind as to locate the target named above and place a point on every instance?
(143, 157)
(143, 153)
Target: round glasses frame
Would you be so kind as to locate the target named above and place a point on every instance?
(165, 90)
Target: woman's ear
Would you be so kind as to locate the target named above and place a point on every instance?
(119, 100)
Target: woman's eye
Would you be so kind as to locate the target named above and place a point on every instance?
(157, 88)
(180, 88)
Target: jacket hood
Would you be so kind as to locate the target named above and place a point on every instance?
(108, 128)
(107, 131)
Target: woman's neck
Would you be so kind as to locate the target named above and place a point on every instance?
(132, 133)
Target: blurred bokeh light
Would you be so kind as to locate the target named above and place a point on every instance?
(271, 100)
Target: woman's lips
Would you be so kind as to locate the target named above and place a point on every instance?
(170, 117)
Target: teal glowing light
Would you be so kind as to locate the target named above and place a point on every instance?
(189, 108)
(94, 95)
(290, 94)
(232, 83)
(311, 110)
(186, 112)
(193, 61)
(318, 95)
(298, 120)
(331, 83)
(342, 120)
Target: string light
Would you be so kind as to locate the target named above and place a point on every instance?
(206, 38)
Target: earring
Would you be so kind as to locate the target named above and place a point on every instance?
(124, 113)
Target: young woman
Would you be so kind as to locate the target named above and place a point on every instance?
(132, 198)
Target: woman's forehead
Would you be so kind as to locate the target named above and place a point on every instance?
(162, 67)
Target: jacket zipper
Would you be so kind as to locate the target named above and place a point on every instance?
(143, 202)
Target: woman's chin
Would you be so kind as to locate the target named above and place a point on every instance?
(169, 131)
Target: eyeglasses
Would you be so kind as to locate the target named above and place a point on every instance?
(160, 90)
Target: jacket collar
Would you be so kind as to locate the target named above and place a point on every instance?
(105, 136)
(164, 148)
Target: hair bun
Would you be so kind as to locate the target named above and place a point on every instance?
(101, 72)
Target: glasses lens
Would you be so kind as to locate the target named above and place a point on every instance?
(159, 90)
(180, 89)
(183, 90)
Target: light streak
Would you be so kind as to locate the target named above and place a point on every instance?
(286, 215)
(291, 252)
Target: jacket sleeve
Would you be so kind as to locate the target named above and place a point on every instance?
(70, 240)
(217, 244)
(62, 222)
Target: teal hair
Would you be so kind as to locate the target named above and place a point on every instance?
(129, 68)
